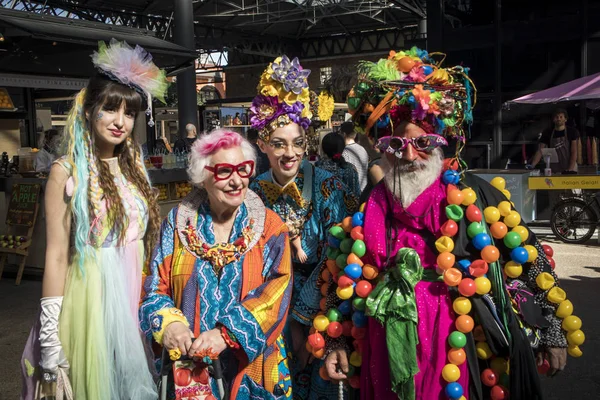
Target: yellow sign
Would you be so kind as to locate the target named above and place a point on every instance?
(560, 182)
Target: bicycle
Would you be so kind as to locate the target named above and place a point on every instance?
(575, 219)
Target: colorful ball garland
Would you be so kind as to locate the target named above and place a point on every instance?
(460, 274)
(354, 281)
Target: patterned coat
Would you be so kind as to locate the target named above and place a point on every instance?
(250, 296)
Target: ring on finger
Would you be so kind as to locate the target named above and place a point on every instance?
(175, 354)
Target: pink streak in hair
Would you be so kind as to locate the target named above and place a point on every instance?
(215, 141)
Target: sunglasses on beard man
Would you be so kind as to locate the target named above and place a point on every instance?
(395, 144)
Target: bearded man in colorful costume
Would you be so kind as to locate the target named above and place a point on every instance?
(308, 199)
(466, 297)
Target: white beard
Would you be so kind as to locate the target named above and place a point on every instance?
(406, 185)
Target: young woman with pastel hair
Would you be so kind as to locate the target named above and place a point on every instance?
(102, 220)
(220, 277)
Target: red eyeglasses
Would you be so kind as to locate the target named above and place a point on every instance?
(223, 171)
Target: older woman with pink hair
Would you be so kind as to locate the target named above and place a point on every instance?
(219, 279)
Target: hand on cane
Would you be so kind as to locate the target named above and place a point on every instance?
(336, 365)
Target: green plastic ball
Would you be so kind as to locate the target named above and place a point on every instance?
(333, 315)
(340, 261)
(457, 340)
(474, 229)
(359, 248)
(454, 212)
(333, 253)
(512, 240)
(346, 245)
(337, 232)
(359, 303)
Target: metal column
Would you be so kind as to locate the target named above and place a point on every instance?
(435, 25)
(497, 153)
(183, 31)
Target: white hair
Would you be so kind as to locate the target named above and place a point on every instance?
(190, 127)
(207, 145)
(407, 185)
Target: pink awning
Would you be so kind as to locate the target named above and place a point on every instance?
(584, 88)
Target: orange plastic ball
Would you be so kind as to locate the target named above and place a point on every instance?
(478, 334)
(405, 64)
(452, 277)
(323, 304)
(354, 259)
(324, 289)
(455, 197)
(490, 254)
(318, 354)
(464, 323)
(498, 230)
(347, 224)
(370, 272)
(357, 233)
(445, 260)
(325, 275)
(332, 266)
(457, 356)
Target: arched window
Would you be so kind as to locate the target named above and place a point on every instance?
(209, 92)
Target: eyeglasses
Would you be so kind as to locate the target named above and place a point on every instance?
(395, 144)
(223, 171)
(279, 147)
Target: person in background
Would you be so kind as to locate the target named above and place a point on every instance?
(47, 154)
(333, 145)
(262, 161)
(184, 145)
(355, 154)
(564, 139)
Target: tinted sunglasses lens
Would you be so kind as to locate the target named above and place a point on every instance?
(423, 143)
(397, 143)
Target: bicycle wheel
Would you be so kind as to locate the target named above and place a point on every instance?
(573, 221)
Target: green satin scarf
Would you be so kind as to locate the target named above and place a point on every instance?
(393, 304)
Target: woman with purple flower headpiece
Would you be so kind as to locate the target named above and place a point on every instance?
(310, 200)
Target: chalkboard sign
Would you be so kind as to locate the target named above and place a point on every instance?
(23, 203)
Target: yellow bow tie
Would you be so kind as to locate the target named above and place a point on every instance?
(273, 192)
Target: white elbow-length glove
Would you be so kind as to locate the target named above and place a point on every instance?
(52, 355)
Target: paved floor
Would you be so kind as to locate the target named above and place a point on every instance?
(578, 267)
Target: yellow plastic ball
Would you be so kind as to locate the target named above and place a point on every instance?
(499, 365)
(532, 251)
(355, 359)
(321, 323)
(574, 351)
(564, 309)
(362, 207)
(513, 219)
(505, 208)
(469, 197)
(499, 183)
(461, 305)
(556, 295)
(491, 215)
(483, 350)
(450, 373)
(344, 293)
(482, 285)
(512, 269)
(444, 243)
(522, 231)
(506, 193)
(571, 323)
(576, 337)
(544, 281)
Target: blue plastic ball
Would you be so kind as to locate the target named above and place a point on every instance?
(519, 255)
(454, 390)
(464, 264)
(345, 307)
(333, 242)
(359, 319)
(451, 177)
(358, 219)
(353, 271)
(427, 70)
(481, 240)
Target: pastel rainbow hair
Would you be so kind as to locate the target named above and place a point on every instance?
(207, 145)
(77, 156)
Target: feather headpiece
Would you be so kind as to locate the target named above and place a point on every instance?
(132, 67)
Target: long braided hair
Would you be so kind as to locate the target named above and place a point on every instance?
(93, 178)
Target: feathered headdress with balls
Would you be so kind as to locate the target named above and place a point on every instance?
(283, 97)
(412, 86)
(132, 67)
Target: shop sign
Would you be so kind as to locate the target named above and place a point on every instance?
(22, 205)
(560, 182)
